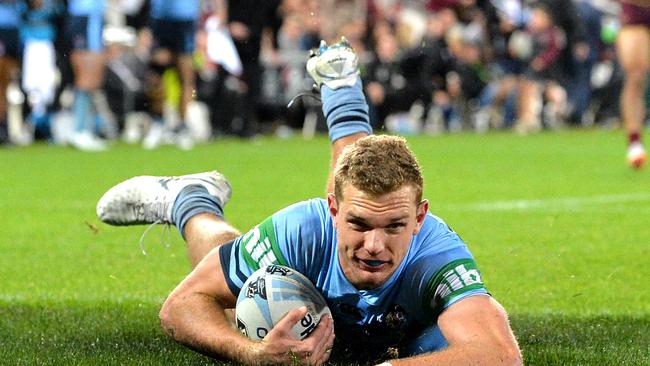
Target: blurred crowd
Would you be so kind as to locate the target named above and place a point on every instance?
(191, 71)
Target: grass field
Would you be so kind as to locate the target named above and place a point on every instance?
(559, 226)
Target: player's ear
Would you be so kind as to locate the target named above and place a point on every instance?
(332, 205)
(420, 215)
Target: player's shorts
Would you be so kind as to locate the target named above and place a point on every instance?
(85, 32)
(635, 14)
(174, 35)
(10, 43)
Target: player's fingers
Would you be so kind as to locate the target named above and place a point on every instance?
(291, 318)
(325, 356)
(325, 340)
(322, 334)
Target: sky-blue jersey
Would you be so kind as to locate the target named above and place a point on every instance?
(10, 13)
(86, 7)
(437, 271)
(175, 9)
(39, 23)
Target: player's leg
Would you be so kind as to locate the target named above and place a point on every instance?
(87, 60)
(8, 70)
(9, 55)
(185, 47)
(335, 70)
(204, 232)
(633, 47)
(188, 83)
(193, 203)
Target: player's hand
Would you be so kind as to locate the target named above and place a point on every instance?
(280, 347)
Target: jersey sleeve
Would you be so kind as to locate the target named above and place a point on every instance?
(444, 273)
(293, 237)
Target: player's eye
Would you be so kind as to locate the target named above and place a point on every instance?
(394, 227)
(358, 225)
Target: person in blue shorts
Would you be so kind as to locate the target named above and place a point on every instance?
(83, 29)
(173, 25)
(403, 288)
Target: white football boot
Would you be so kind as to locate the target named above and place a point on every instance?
(636, 155)
(335, 65)
(149, 199)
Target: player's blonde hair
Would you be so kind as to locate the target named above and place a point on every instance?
(377, 165)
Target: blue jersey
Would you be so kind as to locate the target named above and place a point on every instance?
(39, 23)
(86, 7)
(437, 271)
(175, 9)
(10, 13)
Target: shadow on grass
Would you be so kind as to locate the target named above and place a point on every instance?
(129, 334)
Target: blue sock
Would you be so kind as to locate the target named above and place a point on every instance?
(346, 111)
(191, 201)
(81, 109)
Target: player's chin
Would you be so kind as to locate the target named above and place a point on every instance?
(373, 276)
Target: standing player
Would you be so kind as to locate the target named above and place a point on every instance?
(633, 46)
(403, 288)
(84, 30)
(173, 26)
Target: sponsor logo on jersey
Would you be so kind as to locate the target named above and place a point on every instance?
(259, 246)
(456, 279)
(453, 280)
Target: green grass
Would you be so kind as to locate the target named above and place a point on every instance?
(559, 226)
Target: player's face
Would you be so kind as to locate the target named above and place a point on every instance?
(374, 233)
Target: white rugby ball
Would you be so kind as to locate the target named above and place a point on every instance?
(269, 294)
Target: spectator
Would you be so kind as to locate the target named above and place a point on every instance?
(39, 62)
(392, 84)
(542, 75)
(10, 51)
(246, 28)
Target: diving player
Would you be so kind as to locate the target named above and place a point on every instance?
(403, 288)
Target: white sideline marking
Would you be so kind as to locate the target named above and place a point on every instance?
(563, 203)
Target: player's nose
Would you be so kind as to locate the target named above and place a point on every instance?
(374, 241)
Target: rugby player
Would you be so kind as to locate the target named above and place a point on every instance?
(83, 29)
(173, 27)
(403, 288)
(633, 47)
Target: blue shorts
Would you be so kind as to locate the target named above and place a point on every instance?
(10, 43)
(174, 35)
(85, 32)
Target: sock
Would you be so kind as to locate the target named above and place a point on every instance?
(81, 108)
(346, 111)
(634, 137)
(191, 201)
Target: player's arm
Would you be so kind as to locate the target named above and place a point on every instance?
(194, 315)
(478, 333)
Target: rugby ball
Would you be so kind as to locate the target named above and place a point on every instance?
(269, 294)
